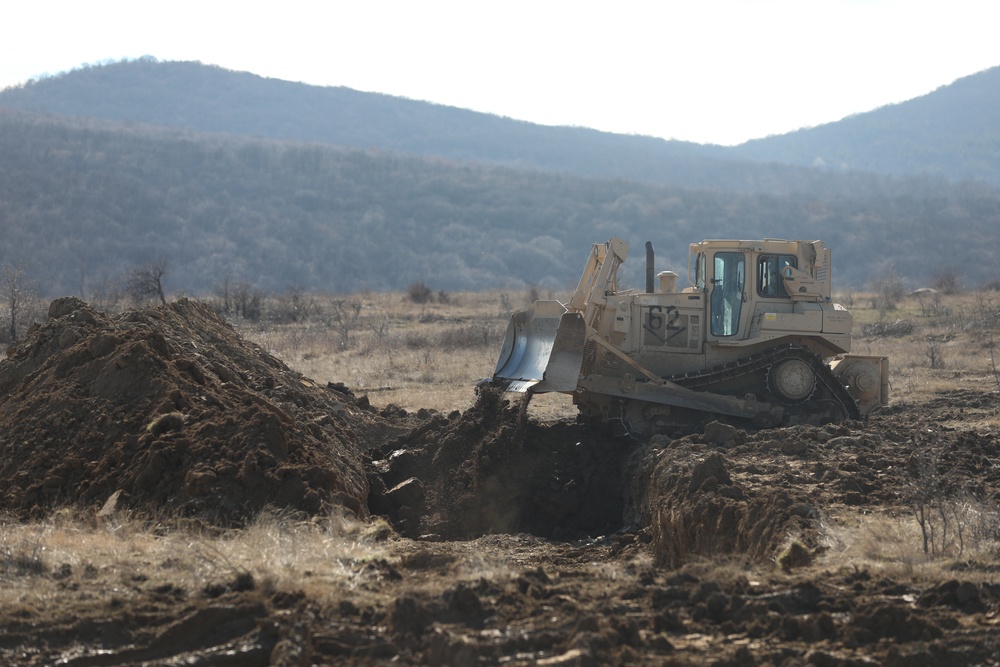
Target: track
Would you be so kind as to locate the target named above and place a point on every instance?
(828, 400)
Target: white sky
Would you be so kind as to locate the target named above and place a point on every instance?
(710, 71)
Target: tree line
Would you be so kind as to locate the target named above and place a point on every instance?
(83, 201)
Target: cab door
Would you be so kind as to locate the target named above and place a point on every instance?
(728, 285)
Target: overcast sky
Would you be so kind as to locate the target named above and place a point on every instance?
(709, 71)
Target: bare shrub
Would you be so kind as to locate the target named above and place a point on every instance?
(246, 301)
(889, 290)
(935, 353)
(106, 296)
(475, 335)
(482, 333)
(295, 305)
(983, 523)
(945, 513)
(23, 558)
(991, 345)
(990, 317)
(345, 316)
(238, 298)
(380, 329)
(984, 315)
(948, 281)
(417, 341)
(419, 292)
(930, 303)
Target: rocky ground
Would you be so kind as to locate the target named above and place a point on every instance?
(505, 541)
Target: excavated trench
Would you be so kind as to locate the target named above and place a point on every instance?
(492, 471)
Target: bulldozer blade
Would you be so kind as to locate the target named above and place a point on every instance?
(543, 350)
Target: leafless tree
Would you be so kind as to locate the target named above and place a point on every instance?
(889, 288)
(345, 315)
(146, 281)
(993, 362)
(223, 290)
(106, 294)
(15, 293)
(247, 301)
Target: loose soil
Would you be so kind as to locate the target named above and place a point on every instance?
(511, 541)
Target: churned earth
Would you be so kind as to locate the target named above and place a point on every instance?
(481, 537)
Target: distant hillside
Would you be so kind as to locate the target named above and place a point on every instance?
(205, 98)
(82, 201)
(952, 132)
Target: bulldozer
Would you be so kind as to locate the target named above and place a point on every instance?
(754, 337)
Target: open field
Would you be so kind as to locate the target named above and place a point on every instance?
(414, 355)
(852, 544)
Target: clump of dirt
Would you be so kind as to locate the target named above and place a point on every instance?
(169, 410)
(490, 470)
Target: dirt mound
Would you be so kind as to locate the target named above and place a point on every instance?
(491, 471)
(727, 491)
(173, 409)
(748, 495)
(698, 508)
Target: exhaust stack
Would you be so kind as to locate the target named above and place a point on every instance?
(650, 270)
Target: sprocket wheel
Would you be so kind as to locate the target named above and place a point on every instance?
(792, 380)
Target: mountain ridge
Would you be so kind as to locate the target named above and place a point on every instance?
(894, 139)
(208, 98)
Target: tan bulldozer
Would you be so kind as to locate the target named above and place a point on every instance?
(754, 336)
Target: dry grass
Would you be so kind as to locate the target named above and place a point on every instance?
(891, 544)
(329, 559)
(276, 552)
(414, 355)
(952, 346)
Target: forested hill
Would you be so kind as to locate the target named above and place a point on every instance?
(204, 98)
(954, 132)
(82, 201)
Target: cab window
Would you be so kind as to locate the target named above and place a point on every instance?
(769, 280)
(700, 279)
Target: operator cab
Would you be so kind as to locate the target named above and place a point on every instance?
(745, 279)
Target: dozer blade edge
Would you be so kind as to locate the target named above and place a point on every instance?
(543, 350)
